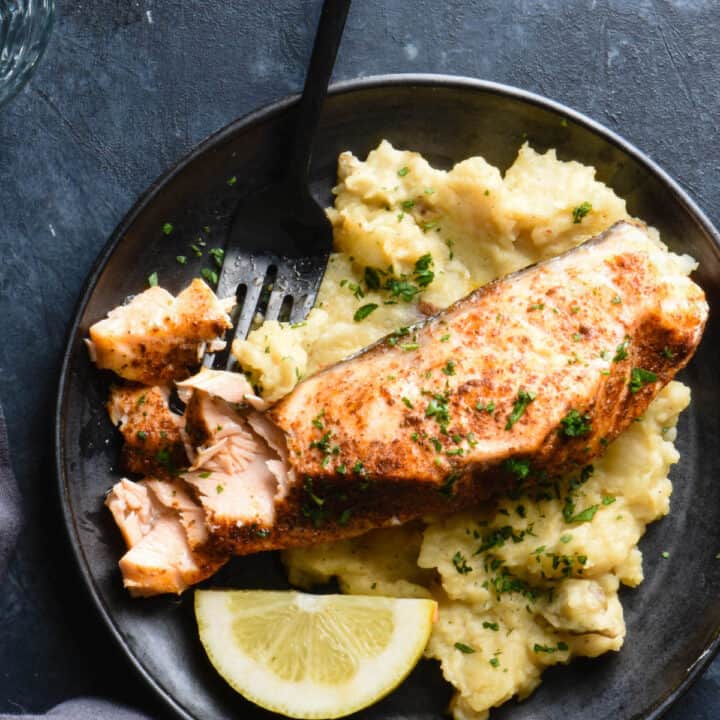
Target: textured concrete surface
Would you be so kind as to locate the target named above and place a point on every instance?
(126, 88)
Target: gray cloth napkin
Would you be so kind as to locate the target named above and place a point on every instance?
(10, 524)
(85, 709)
(10, 510)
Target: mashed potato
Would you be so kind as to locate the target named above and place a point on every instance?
(523, 582)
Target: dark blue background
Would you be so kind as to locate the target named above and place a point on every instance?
(129, 86)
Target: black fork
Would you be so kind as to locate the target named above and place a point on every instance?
(280, 238)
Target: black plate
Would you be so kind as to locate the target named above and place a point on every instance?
(673, 619)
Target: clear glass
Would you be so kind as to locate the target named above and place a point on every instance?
(25, 27)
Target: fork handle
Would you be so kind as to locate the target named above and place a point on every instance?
(307, 118)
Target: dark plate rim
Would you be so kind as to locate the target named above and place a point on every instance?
(217, 138)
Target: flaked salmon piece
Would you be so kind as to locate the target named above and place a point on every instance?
(175, 496)
(240, 500)
(160, 558)
(156, 337)
(528, 377)
(229, 475)
(133, 510)
(217, 434)
(232, 387)
(154, 444)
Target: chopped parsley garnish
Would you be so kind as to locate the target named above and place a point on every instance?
(665, 554)
(449, 368)
(345, 516)
(524, 398)
(616, 300)
(430, 225)
(403, 171)
(219, 488)
(438, 408)
(362, 312)
(495, 662)
(460, 563)
(463, 648)
(205, 475)
(450, 244)
(403, 289)
(491, 626)
(372, 278)
(232, 180)
(399, 333)
(585, 515)
(519, 468)
(565, 539)
(406, 402)
(423, 274)
(218, 254)
(196, 250)
(639, 378)
(317, 420)
(580, 212)
(181, 259)
(407, 204)
(142, 435)
(621, 351)
(410, 346)
(608, 500)
(536, 306)
(562, 646)
(308, 487)
(323, 444)
(668, 353)
(167, 228)
(152, 279)
(210, 275)
(576, 425)
(447, 487)
(499, 536)
(445, 338)
(506, 582)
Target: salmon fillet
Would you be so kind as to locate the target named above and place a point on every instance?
(522, 381)
(528, 377)
(156, 337)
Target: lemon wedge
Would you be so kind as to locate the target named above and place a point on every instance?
(312, 656)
